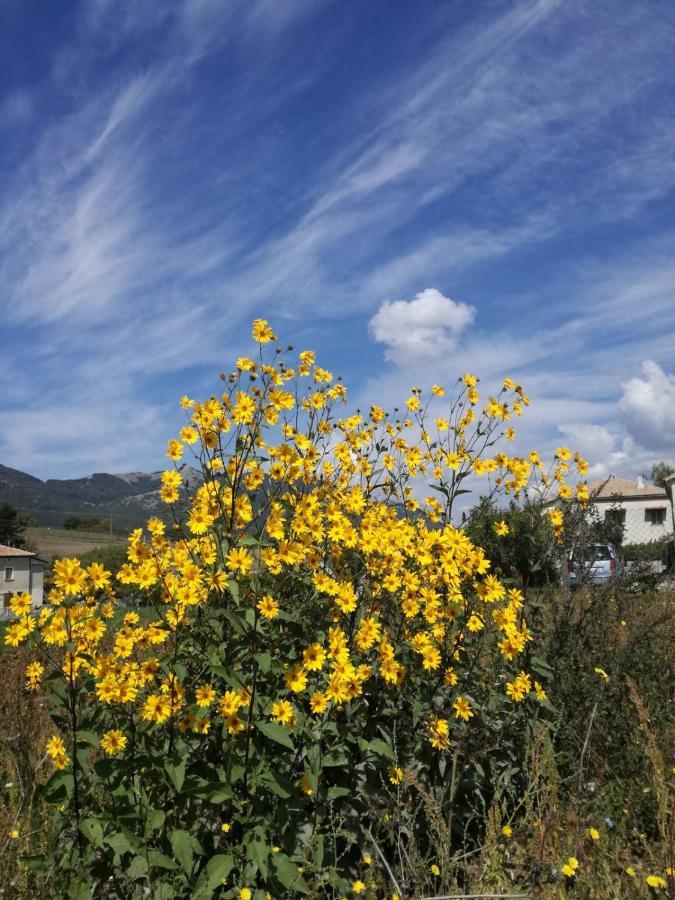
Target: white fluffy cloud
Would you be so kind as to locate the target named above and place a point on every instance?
(421, 329)
(647, 408)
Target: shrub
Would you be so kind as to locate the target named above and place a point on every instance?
(526, 550)
(321, 637)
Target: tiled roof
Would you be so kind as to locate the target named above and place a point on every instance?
(604, 488)
(12, 551)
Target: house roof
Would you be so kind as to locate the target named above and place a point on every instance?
(606, 488)
(9, 552)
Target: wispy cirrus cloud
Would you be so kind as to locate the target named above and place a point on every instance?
(205, 162)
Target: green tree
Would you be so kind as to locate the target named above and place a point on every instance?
(12, 526)
(660, 471)
(527, 551)
(72, 523)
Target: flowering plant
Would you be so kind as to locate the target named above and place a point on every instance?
(317, 630)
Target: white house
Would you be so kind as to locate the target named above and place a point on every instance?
(20, 571)
(645, 510)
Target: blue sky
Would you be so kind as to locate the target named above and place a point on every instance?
(411, 189)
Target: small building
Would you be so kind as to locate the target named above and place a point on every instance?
(20, 571)
(645, 510)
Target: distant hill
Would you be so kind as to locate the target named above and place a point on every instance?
(130, 498)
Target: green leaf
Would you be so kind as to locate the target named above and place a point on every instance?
(212, 876)
(441, 489)
(182, 848)
(163, 891)
(335, 792)
(138, 868)
(382, 748)
(312, 779)
(257, 849)
(277, 784)
(276, 732)
(154, 820)
(79, 891)
(213, 791)
(176, 773)
(235, 773)
(87, 737)
(335, 758)
(122, 841)
(37, 864)
(264, 662)
(104, 767)
(160, 860)
(541, 667)
(59, 787)
(287, 873)
(318, 853)
(92, 829)
(314, 758)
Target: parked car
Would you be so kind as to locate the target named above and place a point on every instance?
(593, 564)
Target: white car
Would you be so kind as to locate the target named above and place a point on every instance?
(593, 564)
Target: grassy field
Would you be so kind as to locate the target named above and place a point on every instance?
(54, 543)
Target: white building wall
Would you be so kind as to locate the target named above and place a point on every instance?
(637, 530)
(19, 574)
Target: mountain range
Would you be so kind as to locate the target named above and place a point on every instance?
(129, 498)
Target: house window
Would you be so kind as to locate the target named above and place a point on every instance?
(656, 516)
(9, 573)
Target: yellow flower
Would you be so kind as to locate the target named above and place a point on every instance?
(263, 334)
(594, 834)
(55, 746)
(113, 742)
(15, 634)
(435, 870)
(656, 881)
(630, 871)
(540, 692)
(156, 709)
(396, 775)
(314, 657)
(14, 834)
(225, 827)
(318, 703)
(245, 893)
(174, 450)
(367, 859)
(283, 712)
(507, 831)
(601, 673)
(34, 673)
(358, 887)
(205, 695)
(462, 708)
(439, 731)
(569, 870)
(500, 528)
(296, 679)
(21, 604)
(239, 560)
(268, 607)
